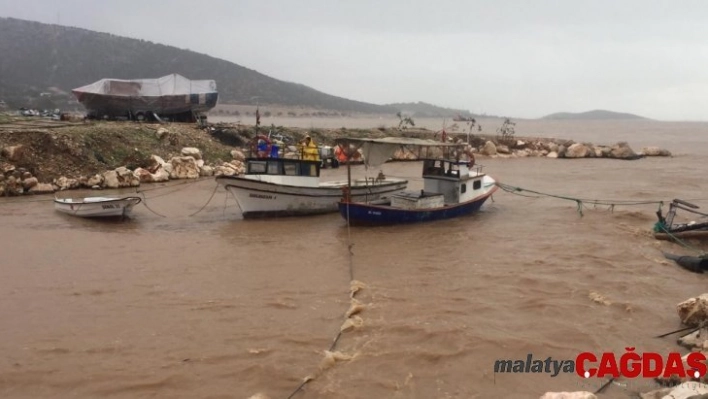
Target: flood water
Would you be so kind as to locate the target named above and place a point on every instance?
(214, 306)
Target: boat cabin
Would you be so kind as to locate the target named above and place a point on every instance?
(282, 167)
(456, 181)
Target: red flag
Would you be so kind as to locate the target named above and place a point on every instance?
(258, 117)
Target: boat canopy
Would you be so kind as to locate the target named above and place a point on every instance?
(170, 85)
(377, 151)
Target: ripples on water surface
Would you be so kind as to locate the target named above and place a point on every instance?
(216, 306)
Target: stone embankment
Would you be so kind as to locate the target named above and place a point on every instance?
(190, 164)
(551, 148)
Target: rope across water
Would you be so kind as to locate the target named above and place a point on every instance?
(354, 291)
(658, 227)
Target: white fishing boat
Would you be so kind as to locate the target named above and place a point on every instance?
(96, 207)
(292, 187)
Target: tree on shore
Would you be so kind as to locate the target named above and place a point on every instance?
(404, 121)
(506, 132)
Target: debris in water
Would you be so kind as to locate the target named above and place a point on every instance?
(355, 308)
(598, 298)
(354, 322)
(331, 358)
(355, 287)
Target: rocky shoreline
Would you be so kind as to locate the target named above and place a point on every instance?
(35, 161)
(552, 148)
(190, 165)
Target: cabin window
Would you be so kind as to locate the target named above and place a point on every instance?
(477, 185)
(273, 168)
(463, 188)
(290, 169)
(257, 167)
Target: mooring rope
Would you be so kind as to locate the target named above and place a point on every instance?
(148, 207)
(518, 190)
(658, 227)
(348, 314)
(208, 201)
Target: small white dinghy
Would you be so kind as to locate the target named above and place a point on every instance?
(96, 207)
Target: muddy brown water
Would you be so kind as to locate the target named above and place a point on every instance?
(214, 306)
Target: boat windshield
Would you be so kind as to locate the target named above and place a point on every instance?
(283, 167)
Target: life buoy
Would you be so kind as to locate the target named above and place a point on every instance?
(261, 146)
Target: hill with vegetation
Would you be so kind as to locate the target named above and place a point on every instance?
(593, 115)
(425, 110)
(40, 64)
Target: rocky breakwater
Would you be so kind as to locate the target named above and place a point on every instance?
(15, 181)
(552, 148)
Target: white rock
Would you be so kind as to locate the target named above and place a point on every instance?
(489, 148)
(200, 163)
(155, 163)
(655, 152)
(29, 183)
(502, 149)
(13, 153)
(191, 152)
(161, 132)
(167, 168)
(64, 183)
(145, 176)
(577, 150)
(238, 155)
(95, 180)
(552, 154)
(126, 178)
(184, 168)
(42, 188)
(693, 311)
(206, 170)
(687, 390)
(110, 179)
(622, 150)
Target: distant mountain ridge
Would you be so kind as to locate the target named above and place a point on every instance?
(38, 58)
(423, 110)
(598, 114)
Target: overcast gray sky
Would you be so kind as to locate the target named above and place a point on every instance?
(517, 58)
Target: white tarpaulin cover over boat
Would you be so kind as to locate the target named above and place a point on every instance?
(169, 94)
(377, 151)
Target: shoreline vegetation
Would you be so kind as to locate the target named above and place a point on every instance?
(42, 156)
